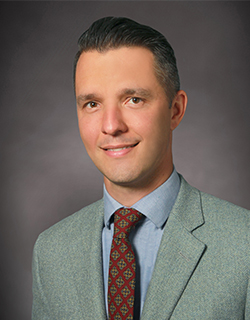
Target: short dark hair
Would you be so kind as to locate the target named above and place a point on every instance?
(113, 33)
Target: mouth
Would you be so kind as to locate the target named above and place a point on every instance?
(119, 148)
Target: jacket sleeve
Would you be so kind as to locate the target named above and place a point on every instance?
(247, 306)
(40, 304)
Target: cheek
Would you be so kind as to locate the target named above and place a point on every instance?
(158, 132)
(87, 133)
(156, 125)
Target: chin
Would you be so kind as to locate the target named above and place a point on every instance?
(122, 179)
(127, 180)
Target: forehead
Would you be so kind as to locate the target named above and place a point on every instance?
(121, 54)
(134, 64)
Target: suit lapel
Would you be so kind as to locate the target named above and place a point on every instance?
(177, 258)
(86, 263)
(178, 255)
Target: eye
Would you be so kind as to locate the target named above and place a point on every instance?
(91, 105)
(135, 100)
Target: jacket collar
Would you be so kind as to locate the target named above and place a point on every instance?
(178, 255)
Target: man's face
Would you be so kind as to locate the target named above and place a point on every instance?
(124, 117)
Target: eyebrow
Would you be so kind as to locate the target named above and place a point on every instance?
(85, 97)
(144, 93)
(141, 92)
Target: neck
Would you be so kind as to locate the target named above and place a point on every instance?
(129, 194)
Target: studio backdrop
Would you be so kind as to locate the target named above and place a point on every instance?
(46, 173)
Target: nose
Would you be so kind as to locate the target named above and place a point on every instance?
(113, 122)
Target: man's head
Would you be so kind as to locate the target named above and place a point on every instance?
(113, 33)
(126, 115)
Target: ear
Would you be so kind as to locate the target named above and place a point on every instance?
(178, 108)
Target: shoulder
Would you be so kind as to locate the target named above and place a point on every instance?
(226, 221)
(212, 218)
(225, 225)
(219, 207)
(71, 227)
(211, 206)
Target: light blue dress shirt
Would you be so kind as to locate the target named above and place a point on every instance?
(146, 237)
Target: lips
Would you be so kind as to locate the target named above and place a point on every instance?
(119, 148)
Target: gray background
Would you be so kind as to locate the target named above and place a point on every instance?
(45, 172)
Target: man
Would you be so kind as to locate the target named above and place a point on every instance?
(178, 253)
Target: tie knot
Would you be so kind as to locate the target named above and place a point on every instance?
(124, 220)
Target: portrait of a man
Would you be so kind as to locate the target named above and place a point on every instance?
(153, 247)
(124, 160)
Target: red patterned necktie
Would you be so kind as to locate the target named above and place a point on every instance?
(122, 266)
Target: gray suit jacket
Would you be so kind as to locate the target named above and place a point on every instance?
(201, 271)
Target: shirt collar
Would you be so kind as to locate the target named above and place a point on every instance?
(156, 206)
